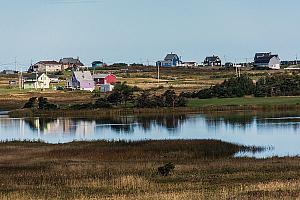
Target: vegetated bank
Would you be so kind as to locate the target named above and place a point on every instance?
(276, 92)
(179, 169)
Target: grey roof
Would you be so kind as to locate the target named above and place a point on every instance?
(71, 61)
(171, 56)
(101, 75)
(83, 75)
(32, 76)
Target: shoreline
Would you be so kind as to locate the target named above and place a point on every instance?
(95, 113)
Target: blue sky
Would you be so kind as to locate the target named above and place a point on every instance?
(137, 30)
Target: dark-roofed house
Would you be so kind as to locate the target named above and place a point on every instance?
(266, 61)
(45, 66)
(71, 63)
(98, 64)
(35, 81)
(212, 61)
(171, 60)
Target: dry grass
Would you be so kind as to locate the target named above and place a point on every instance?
(119, 170)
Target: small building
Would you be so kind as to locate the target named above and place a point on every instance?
(9, 72)
(98, 64)
(189, 64)
(53, 78)
(229, 65)
(71, 63)
(81, 80)
(45, 66)
(171, 60)
(35, 81)
(266, 61)
(212, 61)
(105, 82)
(104, 79)
(106, 87)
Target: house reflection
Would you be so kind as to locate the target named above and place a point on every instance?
(120, 125)
(61, 126)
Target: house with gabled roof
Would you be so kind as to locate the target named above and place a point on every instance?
(171, 60)
(267, 61)
(81, 80)
(71, 63)
(45, 66)
(105, 82)
(212, 61)
(35, 81)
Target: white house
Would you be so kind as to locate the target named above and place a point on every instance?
(266, 61)
(35, 81)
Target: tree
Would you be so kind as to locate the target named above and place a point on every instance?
(102, 103)
(122, 93)
(31, 103)
(45, 105)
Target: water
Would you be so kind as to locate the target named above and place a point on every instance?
(278, 130)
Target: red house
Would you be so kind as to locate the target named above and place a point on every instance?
(103, 79)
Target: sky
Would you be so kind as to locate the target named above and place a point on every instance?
(135, 31)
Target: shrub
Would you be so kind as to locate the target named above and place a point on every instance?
(166, 169)
(45, 105)
(102, 103)
(31, 103)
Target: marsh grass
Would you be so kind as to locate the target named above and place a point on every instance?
(204, 169)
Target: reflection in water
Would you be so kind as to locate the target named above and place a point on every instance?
(119, 125)
(278, 129)
(240, 119)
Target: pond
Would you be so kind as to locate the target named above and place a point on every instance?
(279, 130)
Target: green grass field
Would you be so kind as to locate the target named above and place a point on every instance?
(244, 101)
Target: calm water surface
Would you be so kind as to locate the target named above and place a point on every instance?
(278, 130)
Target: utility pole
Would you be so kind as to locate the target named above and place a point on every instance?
(158, 73)
(15, 63)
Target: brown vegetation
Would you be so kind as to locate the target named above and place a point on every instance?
(122, 170)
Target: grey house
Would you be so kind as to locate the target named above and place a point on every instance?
(266, 61)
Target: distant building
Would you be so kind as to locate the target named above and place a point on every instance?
(45, 66)
(53, 78)
(104, 82)
(229, 64)
(71, 63)
(171, 60)
(290, 62)
(212, 61)
(104, 78)
(35, 81)
(81, 80)
(188, 64)
(266, 61)
(9, 72)
(97, 64)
